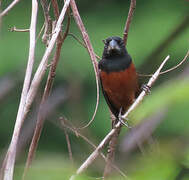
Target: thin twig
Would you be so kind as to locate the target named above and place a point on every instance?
(48, 87)
(11, 154)
(128, 22)
(48, 23)
(182, 26)
(14, 29)
(95, 154)
(78, 134)
(55, 8)
(168, 70)
(81, 42)
(68, 141)
(9, 8)
(40, 32)
(91, 53)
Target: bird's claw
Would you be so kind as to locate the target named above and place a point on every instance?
(121, 119)
(146, 88)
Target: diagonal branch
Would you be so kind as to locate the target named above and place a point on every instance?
(91, 53)
(9, 8)
(11, 154)
(82, 43)
(128, 22)
(143, 93)
(95, 154)
(64, 123)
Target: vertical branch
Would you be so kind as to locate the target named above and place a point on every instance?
(113, 141)
(90, 50)
(68, 141)
(111, 153)
(11, 154)
(41, 116)
(48, 23)
(128, 22)
(55, 8)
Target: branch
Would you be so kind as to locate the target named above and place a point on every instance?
(128, 22)
(48, 23)
(55, 8)
(142, 131)
(42, 67)
(168, 70)
(9, 8)
(143, 93)
(11, 154)
(78, 134)
(14, 29)
(68, 141)
(81, 42)
(94, 155)
(41, 117)
(111, 153)
(91, 53)
(165, 43)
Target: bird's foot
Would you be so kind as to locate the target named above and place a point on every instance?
(121, 119)
(146, 88)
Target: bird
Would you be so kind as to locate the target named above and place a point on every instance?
(118, 76)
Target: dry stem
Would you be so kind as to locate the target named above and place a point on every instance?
(78, 134)
(48, 23)
(128, 22)
(11, 154)
(48, 87)
(9, 8)
(81, 42)
(111, 153)
(165, 43)
(90, 50)
(14, 29)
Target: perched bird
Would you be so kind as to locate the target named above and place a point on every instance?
(118, 76)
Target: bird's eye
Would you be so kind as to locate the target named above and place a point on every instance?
(104, 41)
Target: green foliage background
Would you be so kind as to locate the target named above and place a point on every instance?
(153, 21)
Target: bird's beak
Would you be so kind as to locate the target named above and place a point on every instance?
(113, 46)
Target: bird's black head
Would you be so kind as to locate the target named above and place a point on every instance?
(114, 46)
